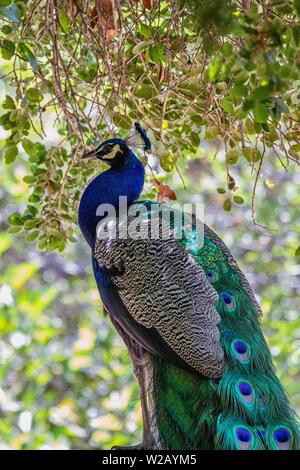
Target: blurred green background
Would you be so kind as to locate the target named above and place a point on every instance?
(65, 377)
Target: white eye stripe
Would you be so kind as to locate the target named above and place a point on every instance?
(112, 154)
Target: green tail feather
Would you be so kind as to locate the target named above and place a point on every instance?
(247, 408)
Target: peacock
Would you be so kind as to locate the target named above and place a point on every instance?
(186, 313)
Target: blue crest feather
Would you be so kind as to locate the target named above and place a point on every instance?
(144, 136)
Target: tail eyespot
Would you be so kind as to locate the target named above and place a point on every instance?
(228, 300)
(244, 437)
(246, 392)
(211, 276)
(283, 438)
(241, 350)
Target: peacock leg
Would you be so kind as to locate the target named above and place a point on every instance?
(143, 372)
(144, 376)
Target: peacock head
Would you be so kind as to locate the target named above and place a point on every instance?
(111, 151)
(115, 151)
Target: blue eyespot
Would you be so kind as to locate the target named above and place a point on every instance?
(211, 276)
(283, 438)
(240, 347)
(245, 438)
(246, 392)
(245, 389)
(228, 301)
(243, 435)
(241, 350)
(282, 435)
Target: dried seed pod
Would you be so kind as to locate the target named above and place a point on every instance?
(230, 182)
(164, 191)
(148, 4)
(103, 16)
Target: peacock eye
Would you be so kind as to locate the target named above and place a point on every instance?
(110, 151)
(283, 438)
(212, 276)
(246, 392)
(244, 437)
(228, 300)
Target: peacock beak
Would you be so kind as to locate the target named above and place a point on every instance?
(91, 154)
(95, 153)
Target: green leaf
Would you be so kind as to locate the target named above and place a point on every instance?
(239, 90)
(232, 156)
(197, 119)
(261, 93)
(252, 154)
(8, 103)
(297, 252)
(145, 91)
(195, 139)
(6, 29)
(15, 219)
(34, 198)
(7, 49)
(144, 30)
(14, 115)
(295, 147)
(221, 190)
(28, 55)
(33, 235)
(238, 199)
(214, 69)
(29, 179)
(297, 6)
(296, 34)
(260, 113)
(64, 21)
(227, 106)
(88, 74)
(157, 53)
(167, 163)
(122, 121)
(5, 3)
(11, 154)
(241, 77)
(14, 229)
(227, 49)
(227, 205)
(32, 94)
(29, 147)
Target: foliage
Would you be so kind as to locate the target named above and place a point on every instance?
(191, 71)
(66, 379)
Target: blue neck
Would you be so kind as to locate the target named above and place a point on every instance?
(106, 188)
